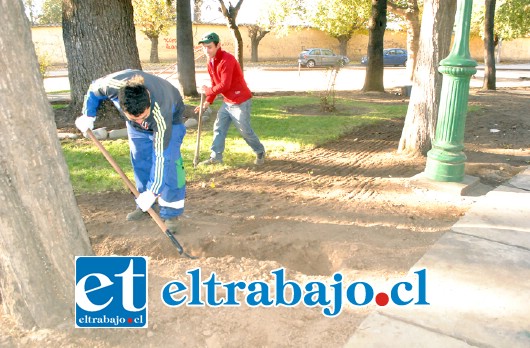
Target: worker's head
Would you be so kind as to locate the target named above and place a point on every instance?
(135, 101)
(210, 44)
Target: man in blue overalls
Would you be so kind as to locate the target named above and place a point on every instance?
(153, 108)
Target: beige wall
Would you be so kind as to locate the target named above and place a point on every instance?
(48, 40)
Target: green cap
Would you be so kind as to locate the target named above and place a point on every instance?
(210, 37)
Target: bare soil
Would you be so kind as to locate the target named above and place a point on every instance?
(343, 207)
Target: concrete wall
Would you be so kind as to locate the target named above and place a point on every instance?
(48, 40)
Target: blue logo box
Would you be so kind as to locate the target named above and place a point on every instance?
(110, 292)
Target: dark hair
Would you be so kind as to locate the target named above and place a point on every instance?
(134, 97)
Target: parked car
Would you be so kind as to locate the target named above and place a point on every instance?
(391, 56)
(312, 57)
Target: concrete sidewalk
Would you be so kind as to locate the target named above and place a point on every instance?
(478, 282)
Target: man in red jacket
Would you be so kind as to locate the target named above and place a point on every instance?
(227, 80)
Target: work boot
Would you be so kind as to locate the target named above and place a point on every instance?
(172, 224)
(260, 159)
(210, 161)
(136, 215)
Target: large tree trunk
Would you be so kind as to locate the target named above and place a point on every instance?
(99, 38)
(489, 46)
(256, 34)
(42, 229)
(230, 14)
(153, 57)
(375, 70)
(185, 52)
(435, 39)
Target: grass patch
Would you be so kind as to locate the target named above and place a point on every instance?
(279, 125)
(59, 106)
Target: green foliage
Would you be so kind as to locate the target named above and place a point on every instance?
(51, 12)
(154, 17)
(511, 19)
(284, 125)
(280, 15)
(340, 18)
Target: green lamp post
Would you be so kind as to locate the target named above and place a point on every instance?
(446, 160)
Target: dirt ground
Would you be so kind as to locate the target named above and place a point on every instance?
(343, 207)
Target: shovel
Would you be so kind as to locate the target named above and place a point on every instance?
(135, 192)
(198, 144)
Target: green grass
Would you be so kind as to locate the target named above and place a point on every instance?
(275, 119)
(59, 106)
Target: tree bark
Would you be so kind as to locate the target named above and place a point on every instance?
(185, 52)
(489, 46)
(256, 34)
(375, 70)
(343, 44)
(42, 228)
(99, 38)
(230, 14)
(153, 57)
(435, 39)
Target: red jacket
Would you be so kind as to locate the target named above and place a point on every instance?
(227, 79)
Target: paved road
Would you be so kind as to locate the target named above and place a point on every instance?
(349, 78)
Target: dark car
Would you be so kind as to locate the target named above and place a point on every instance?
(312, 57)
(391, 56)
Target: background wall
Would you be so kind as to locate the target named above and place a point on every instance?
(49, 41)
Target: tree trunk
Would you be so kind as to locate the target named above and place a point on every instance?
(153, 58)
(42, 228)
(185, 52)
(375, 70)
(99, 38)
(343, 44)
(489, 46)
(435, 39)
(231, 14)
(256, 34)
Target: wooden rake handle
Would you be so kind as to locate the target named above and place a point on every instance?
(135, 192)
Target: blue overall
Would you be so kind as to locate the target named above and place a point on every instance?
(143, 157)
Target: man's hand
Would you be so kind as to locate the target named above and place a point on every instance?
(205, 106)
(145, 200)
(84, 123)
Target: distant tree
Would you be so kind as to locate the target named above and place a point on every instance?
(274, 16)
(410, 10)
(256, 33)
(509, 21)
(422, 113)
(42, 228)
(230, 15)
(154, 17)
(185, 52)
(51, 12)
(340, 19)
(99, 38)
(374, 70)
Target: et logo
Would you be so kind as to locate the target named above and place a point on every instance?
(110, 292)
